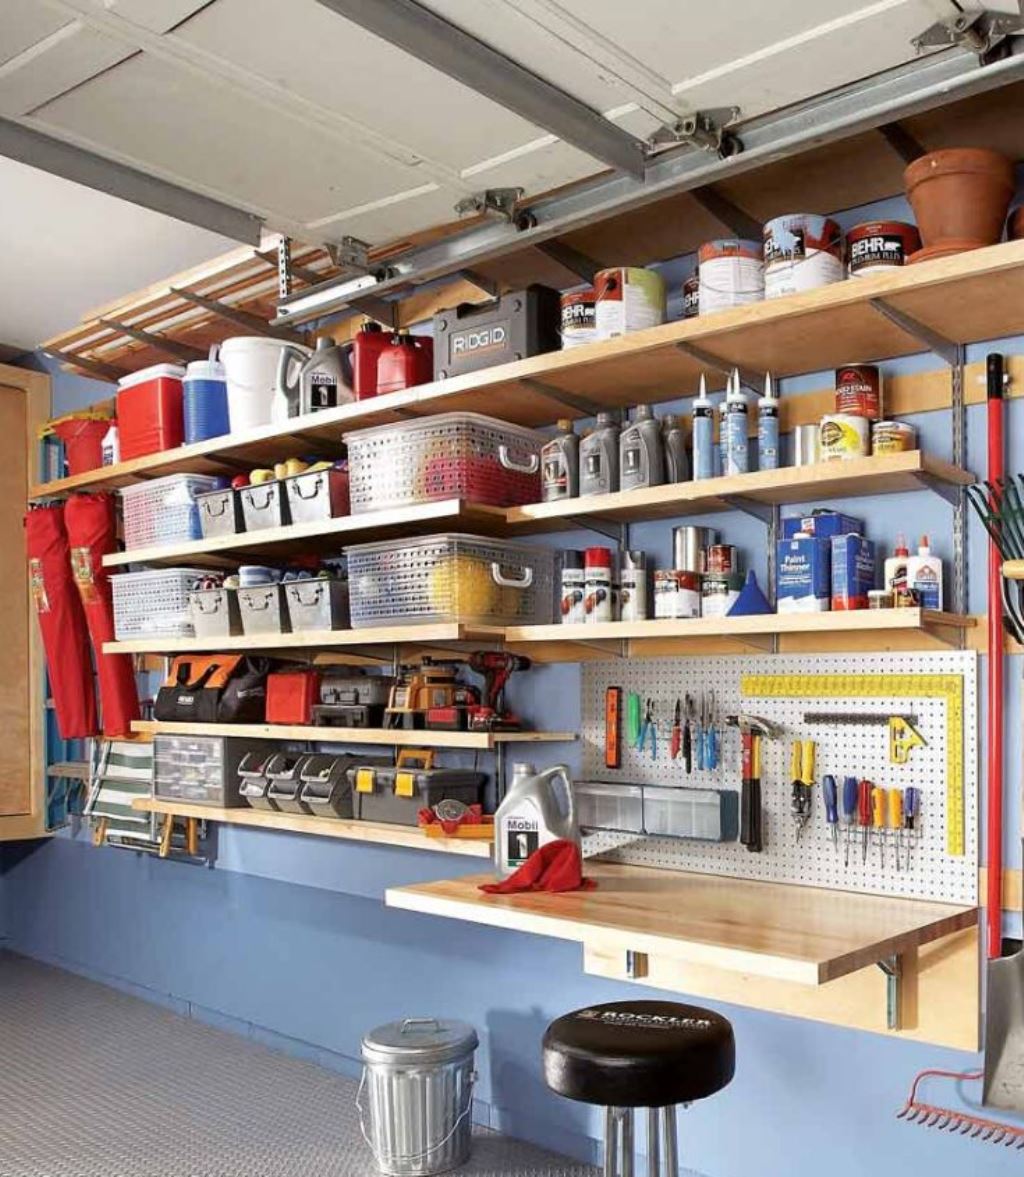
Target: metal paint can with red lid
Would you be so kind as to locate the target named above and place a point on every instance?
(691, 296)
(859, 391)
(878, 246)
(802, 251)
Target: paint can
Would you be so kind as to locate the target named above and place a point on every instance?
(633, 579)
(806, 448)
(598, 586)
(722, 559)
(718, 593)
(731, 274)
(689, 547)
(879, 246)
(628, 298)
(573, 588)
(676, 594)
(892, 437)
(691, 296)
(579, 324)
(802, 251)
(859, 391)
(843, 436)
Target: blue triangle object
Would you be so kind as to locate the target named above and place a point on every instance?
(751, 600)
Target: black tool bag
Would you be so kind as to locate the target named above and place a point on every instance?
(214, 688)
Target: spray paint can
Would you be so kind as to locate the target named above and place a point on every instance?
(599, 457)
(560, 465)
(677, 467)
(641, 459)
(703, 429)
(598, 590)
(768, 426)
(571, 601)
(736, 444)
(633, 578)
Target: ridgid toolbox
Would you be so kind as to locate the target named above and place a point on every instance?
(398, 794)
(519, 324)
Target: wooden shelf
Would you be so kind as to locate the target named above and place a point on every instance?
(379, 833)
(329, 535)
(74, 770)
(964, 298)
(481, 741)
(779, 931)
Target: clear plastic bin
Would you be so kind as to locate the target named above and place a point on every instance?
(451, 577)
(449, 456)
(163, 511)
(149, 604)
(609, 807)
(709, 815)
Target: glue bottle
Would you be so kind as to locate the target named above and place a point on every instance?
(736, 446)
(768, 426)
(703, 434)
(924, 577)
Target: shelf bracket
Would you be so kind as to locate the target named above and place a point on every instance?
(475, 278)
(751, 379)
(932, 340)
(568, 400)
(170, 347)
(946, 490)
(722, 209)
(569, 258)
(892, 966)
(233, 314)
(375, 308)
(96, 368)
(609, 530)
(901, 141)
(763, 511)
(271, 257)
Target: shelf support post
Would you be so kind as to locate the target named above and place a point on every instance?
(892, 967)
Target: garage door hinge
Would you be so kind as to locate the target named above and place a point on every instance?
(706, 129)
(982, 32)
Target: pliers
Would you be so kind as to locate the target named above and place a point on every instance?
(648, 725)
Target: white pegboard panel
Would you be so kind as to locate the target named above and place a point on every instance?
(854, 749)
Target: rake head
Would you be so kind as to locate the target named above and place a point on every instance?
(961, 1123)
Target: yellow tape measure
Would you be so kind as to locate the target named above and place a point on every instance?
(947, 687)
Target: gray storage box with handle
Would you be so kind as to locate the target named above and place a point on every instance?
(215, 612)
(263, 609)
(318, 603)
(418, 1081)
(264, 504)
(220, 513)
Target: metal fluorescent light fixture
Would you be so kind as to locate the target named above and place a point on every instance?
(29, 146)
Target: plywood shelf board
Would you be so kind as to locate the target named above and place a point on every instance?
(790, 933)
(343, 735)
(378, 833)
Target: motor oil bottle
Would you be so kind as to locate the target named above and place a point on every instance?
(599, 457)
(641, 457)
(768, 426)
(703, 429)
(677, 467)
(735, 444)
(560, 464)
(924, 576)
(325, 380)
(538, 808)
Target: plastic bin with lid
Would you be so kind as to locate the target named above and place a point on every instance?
(154, 603)
(609, 806)
(447, 456)
(149, 410)
(163, 510)
(397, 794)
(450, 577)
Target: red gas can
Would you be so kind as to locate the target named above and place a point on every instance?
(149, 410)
(407, 360)
(370, 341)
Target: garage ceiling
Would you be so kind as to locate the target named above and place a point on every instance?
(294, 113)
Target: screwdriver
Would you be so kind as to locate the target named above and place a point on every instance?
(676, 736)
(911, 811)
(829, 796)
(711, 734)
(864, 815)
(878, 820)
(895, 798)
(688, 735)
(849, 813)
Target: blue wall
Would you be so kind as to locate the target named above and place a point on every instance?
(287, 939)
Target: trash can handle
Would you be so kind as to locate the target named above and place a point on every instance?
(408, 1023)
(383, 1158)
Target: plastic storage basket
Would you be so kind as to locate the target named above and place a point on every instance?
(163, 511)
(450, 578)
(154, 603)
(450, 456)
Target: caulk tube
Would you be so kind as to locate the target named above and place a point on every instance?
(768, 426)
(703, 434)
(736, 446)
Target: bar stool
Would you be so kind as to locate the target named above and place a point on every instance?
(639, 1054)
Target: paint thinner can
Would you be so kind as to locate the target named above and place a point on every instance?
(806, 445)
(633, 580)
(878, 246)
(731, 274)
(691, 296)
(802, 251)
(676, 594)
(628, 298)
(598, 586)
(573, 588)
(859, 391)
(718, 593)
(689, 547)
(892, 437)
(579, 321)
(843, 436)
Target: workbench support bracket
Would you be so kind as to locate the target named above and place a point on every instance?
(751, 380)
(568, 400)
(765, 512)
(892, 966)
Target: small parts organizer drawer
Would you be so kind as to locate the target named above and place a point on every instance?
(201, 769)
(453, 577)
(450, 456)
(709, 815)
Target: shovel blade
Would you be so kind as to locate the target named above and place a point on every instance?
(1004, 1035)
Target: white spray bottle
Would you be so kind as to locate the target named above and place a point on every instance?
(532, 815)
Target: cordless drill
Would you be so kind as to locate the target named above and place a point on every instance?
(495, 667)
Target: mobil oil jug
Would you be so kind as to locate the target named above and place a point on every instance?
(538, 808)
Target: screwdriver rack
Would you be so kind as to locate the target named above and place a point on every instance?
(841, 750)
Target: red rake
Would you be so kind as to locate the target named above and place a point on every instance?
(963, 1123)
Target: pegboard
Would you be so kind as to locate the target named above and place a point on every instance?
(850, 749)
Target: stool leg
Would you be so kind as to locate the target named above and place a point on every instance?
(668, 1124)
(627, 1142)
(611, 1142)
(653, 1143)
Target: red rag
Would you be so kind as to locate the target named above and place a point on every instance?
(556, 866)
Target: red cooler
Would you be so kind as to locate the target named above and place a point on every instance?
(149, 410)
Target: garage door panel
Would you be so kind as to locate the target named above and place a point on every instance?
(413, 212)
(25, 23)
(158, 16)
(549, 164)
(63, 64)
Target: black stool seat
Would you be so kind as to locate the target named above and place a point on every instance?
(639, 1054)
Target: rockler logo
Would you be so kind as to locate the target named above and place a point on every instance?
(482, 339)
(618, 1017)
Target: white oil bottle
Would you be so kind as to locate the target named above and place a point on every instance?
(924, 576)
(532, 815)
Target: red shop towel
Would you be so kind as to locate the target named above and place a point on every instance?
(556, 866)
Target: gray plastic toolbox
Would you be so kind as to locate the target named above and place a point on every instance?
(284, 772)
(397, 794)
(325, 784)
(253, 783)
(201, 769)
(352, 699)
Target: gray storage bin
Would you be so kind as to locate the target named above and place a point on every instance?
(609, 807)
(377, 792)
(263, 609)
(264, 505)
(220, 513)
(317, 495)
(284, 772)
(252, 778)
(708, 815)
(201, 769)
(215, 612)
(317, 604)
(325, 784)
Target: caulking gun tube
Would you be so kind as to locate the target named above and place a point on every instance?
(768, 426)
(703, 434)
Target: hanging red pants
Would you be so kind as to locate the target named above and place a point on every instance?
(62, 622)
(92, 534)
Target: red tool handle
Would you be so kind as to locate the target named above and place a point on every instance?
(994, 898)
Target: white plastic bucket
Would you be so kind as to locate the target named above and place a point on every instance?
(251, 363)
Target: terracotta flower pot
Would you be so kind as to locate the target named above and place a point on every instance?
(1015, 225)
(959, 197)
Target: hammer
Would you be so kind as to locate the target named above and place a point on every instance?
(752, 730)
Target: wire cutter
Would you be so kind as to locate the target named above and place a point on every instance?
(648, 725)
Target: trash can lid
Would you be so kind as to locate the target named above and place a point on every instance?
(420, 1040)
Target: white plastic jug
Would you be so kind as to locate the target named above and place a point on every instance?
(251, 363)
(532, 815)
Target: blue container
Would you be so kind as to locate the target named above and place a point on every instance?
(206, 399)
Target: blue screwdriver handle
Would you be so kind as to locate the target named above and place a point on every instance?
(849, 798)
(829, 793)
(711, 746)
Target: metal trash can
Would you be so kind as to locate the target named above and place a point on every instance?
(418, 1078)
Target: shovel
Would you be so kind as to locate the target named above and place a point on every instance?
(1004, 1034)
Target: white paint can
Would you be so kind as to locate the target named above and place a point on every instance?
(731, 273)
(628, 298)
(579, 324)
(802, 251)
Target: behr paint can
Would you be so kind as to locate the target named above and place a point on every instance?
(718, 593)
(691, 296)
(579, 323)
(628, 298)
(802, 251)
(721, 559)
(676, 594)
(731, 274)
(878, 246)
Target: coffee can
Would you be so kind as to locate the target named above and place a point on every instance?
(689, 547)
